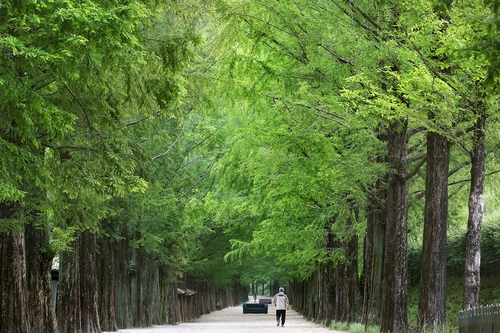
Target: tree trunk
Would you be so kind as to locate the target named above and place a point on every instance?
(107, 285)
(395, 287)
(340, 306)
(123, 305)
(145, 290)
(353, 293)
(14, 300)
(321, 314)
(432, 300)
(473, 241)
(328, 294)
(39, 280)
(68, 291)
(77, 310)
(373, 258)
(339, 299)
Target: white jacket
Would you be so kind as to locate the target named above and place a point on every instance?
(280, 300)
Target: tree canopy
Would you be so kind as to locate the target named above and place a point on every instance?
(235, 141)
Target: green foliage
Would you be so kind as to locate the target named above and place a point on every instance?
(230, 140)
(288, 186)
(339, 326)
(456, 254)
(306, 92)
(88, 90)
(483, 17)
(489, 294)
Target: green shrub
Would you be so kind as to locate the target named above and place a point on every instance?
(339, 326)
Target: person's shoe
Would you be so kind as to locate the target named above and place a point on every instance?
(278, 323)
(282, 325)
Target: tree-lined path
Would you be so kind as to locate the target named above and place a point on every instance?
(232, 319)
(161, 159)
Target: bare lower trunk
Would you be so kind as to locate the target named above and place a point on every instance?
(77, 310)
(38, 266)
(25, 281)
(124, 283)
(395, 289)
(89, 287)
(373, 259)
(351, 274)
(14, 301)
(432, 300)
(473, 250)
(106, 272)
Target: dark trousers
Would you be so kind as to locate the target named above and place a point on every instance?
(282, 314)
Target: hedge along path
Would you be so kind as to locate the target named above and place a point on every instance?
(233, 320)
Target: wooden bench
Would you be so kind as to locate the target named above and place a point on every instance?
(255, 308)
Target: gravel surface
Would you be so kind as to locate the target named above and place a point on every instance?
(233, 320)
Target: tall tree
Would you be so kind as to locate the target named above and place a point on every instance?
(478, 61)
(28, 121)
(476, 210)
(373, 256)
(309, 69)
(70, 95)
(432, 300)
(474, 62)
(394, 312)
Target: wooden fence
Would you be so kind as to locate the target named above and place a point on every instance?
(483, 319)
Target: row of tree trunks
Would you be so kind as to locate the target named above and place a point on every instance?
(273, 287)
(38, 267)
(134, 291)
(77, 298)
(383, 299)
(106, 285)
(207, 298)
(25, 282)
(328, 294)
(103, 285)
(374, 255)
(333, 291)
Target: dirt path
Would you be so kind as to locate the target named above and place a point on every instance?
(233, 320)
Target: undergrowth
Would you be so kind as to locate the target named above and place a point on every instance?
(489, 294)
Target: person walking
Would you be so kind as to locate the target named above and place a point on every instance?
(280, 300)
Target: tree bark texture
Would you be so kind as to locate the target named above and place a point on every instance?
(432, 300)
(374, 257)
(122, 278)
(146, 298)
(394, 315)
(106, 273)
(351, 282)
(25, 280)
(472, 277)
(77, 310)
(26, 295)
(38, 267)
(14, 300)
